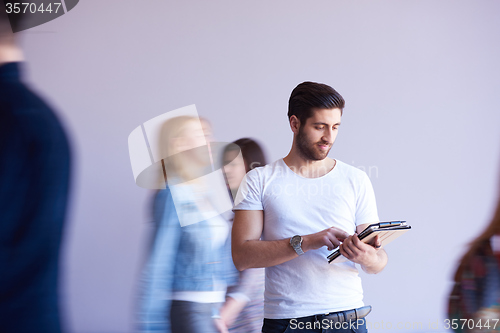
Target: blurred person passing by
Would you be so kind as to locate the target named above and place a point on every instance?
(474, 304)
(291, 213)
(243, 310)
(188, 270)
(34, 178)
(240, 157)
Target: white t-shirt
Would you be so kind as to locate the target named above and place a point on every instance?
(294, 205)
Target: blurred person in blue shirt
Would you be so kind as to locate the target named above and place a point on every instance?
(187, 272)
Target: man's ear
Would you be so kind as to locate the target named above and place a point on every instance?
(294, 124)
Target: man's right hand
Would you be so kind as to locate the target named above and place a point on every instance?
(249, 251)
(330, 238)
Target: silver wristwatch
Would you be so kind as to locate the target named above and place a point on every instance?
(295, 242)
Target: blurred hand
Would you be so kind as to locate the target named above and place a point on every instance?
(230, 310)
(221, 326)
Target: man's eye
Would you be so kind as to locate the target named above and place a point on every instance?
(319, 127)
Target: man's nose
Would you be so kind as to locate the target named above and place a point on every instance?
(327, 135)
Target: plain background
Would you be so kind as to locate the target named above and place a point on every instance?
(420, 79)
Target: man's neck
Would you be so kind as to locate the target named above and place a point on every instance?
(308, 168)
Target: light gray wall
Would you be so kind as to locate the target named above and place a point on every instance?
(421, 83)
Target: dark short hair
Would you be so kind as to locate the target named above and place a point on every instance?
(12, 21)
(311, 95)
(252, 152)
(4, 18)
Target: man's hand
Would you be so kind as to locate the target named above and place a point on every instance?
(372, 258)
(330, 238)
(251, 252)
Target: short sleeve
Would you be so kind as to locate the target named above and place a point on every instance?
(249, 196)
(366, 206)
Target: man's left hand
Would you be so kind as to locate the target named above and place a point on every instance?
(361, 253)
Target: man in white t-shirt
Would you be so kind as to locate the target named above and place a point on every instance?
(289, 215)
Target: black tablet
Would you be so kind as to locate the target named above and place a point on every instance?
(387, 232)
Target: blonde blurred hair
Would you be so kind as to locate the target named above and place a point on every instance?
(172, 131)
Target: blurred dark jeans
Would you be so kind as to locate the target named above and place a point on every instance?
(191, 317)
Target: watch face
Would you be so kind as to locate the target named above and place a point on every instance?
(296, 240)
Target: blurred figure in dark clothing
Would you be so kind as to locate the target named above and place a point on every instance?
(475, 297)
(34, 176)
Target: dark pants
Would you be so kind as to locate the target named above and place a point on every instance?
(191, 317)
(316, 324)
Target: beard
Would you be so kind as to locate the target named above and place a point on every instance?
(309, 150)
